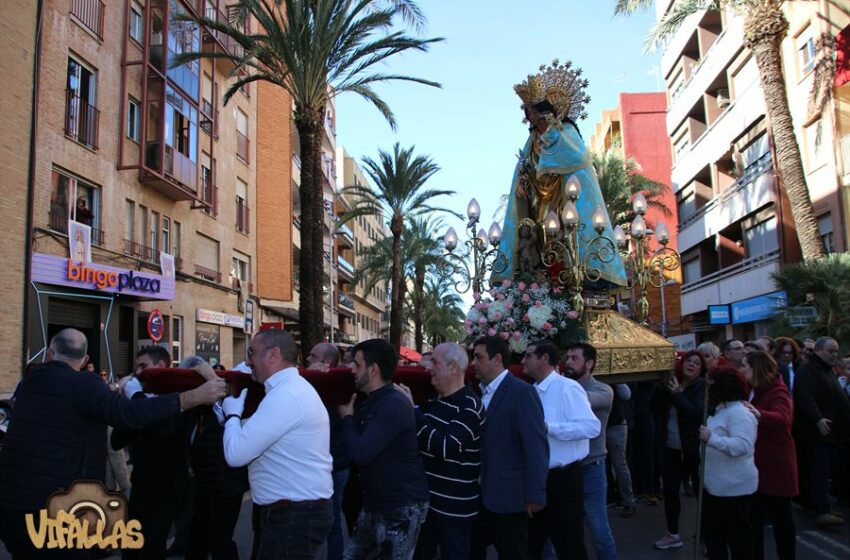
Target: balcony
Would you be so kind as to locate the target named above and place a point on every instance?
(208, 195)
(346, 304)
(746, 279)
(81, 120)
(346, 268)
(142, 252)
(753, 190)
(207, 273)
(241, 215)
(58, 222)
(209, 118)
(243, 146)
(177, 179)
(345, 235)
(90, 14)
(345, 338)
(214, 39)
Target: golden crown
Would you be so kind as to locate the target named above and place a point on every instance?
(559, 84)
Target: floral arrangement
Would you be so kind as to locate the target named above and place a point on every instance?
(522, 313)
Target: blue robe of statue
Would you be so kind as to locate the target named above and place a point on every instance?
(560, 151)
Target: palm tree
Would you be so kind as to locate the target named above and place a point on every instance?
(765, 27)
(442, 310)
(400, 193)
(426, 255)
(620, 181)
(314, 49)
(823, 284)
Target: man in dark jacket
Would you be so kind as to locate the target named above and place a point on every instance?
(819, 402)
(57, 435)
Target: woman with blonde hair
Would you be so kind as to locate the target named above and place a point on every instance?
(776, 457)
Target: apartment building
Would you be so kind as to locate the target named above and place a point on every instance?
(735, 225)
(142, 185)
(637, 129)
(370, 319)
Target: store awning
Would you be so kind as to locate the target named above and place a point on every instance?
(409, 354)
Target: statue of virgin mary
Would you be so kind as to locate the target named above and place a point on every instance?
(553, 154)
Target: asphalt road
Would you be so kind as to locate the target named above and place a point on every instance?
(635, 535)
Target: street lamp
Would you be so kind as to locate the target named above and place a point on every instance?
(483, 259)
(648, 266)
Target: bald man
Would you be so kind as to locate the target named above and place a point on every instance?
(47, 451)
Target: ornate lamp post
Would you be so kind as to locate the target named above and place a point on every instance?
(483, 259)
(648, 266)
(563, 243)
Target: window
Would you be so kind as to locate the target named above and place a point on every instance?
(240, 270)
(807, 52)
(752, 154)
(134, 116)
(762, 239)
(137, 23)
(690, 271)
(242, 143)
(825, 231)
(681, 144)
(241, 206)
(208, 189)
(81, 115)
(207, 258)
(154, 235)
(177, 236)
(130, 221)
(166, 234)
(687, 203)
(745, 77)
(815, 150)
(183, 36)
(84, 209)
(176, 338)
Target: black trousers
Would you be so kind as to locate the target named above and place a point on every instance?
(777, 511)
(507, 532)
(676, 469)
(726, 523)
(562, 518)
(156, 509)
(451, 535)
(211, 529)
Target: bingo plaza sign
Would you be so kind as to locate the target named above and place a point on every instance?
(62, 271)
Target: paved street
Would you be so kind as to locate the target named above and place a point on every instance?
(635, 536)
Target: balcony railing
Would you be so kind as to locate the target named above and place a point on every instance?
(207, 273)
(345, 337)
(346, 300)
(211, 35)
(345, 265)
(139, 251)
(737, 268)
(90, 14)
(209, 120)
(81, 120)
(208, 195)
(58, 222)
(241, 215)
(242, 146)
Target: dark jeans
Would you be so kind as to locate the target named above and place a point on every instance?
(820, 465)
(562, 518)
(296, 531)
(451, 535)
(726, 521)
(156, 510)
(508, 532)
(392, 534)
(336, 544)
(677, 468)
(211, 528)
(13, 533)
(777, 510)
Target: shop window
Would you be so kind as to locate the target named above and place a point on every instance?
(825, 231)
(84, 209)
(208, 342)
(176, 339)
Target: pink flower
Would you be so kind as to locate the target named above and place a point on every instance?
(467, 323)
(506, 284)
(525, 318)
(510, 321)
(572, 314)
(509, 306)
(505, 335)
(498, 316)
(538, 303)
(521, 286)
(500, 297)
(556, 290)
(535, 286)
(516, 335)
(476, 296)
(482, 321)
(525, 298)
(547, 326)
(478, 306)
(491, 332)
(485, 306)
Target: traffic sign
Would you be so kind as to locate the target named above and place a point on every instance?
(156, 325)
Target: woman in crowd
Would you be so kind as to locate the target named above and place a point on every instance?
(787, 359)
(679, 406)
(730, 470)
(776, 457)
(710, 353)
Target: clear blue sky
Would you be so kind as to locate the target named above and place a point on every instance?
(472, 126)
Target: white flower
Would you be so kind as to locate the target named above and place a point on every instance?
(538, 315)
(518, 346)
(473, 315)
(497, 311)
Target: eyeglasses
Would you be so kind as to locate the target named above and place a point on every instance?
(252, 351)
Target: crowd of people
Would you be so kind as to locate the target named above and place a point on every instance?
(523, 467)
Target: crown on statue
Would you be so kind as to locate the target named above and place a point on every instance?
(559, 84)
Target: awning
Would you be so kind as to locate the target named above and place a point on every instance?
(409, 354)
(842, 57)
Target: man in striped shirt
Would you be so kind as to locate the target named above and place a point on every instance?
(449, 433)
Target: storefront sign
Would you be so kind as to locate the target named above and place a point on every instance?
(719, 315)
(219, 318)
(102, 278)
(758, 308)
(684, 342)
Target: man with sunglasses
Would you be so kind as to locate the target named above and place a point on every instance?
(286, 445)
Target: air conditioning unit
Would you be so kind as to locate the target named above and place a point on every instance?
(723, 100)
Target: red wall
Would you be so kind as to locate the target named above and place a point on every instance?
(644, 131)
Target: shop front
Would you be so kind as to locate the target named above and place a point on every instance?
(99, 300)
(746, 319)
(210, 327)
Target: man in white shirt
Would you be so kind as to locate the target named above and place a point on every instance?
(286, 447)
(570, 424)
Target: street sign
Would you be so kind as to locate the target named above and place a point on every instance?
(249, 316)
(802, 316)
(156, 325)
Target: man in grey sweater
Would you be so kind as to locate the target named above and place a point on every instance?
(579, 362)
